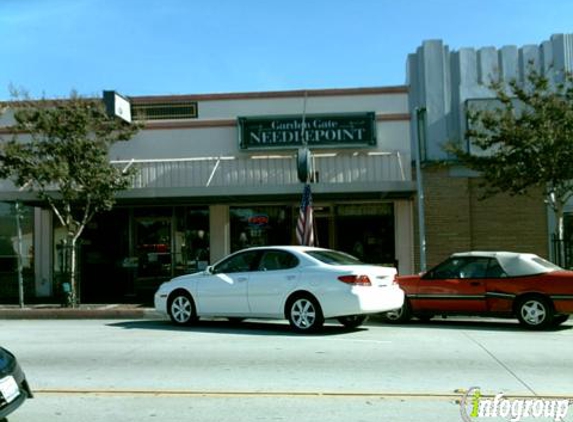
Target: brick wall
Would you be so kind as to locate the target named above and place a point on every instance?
(457, 220)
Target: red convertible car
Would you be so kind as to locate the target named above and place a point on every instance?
(506, 284)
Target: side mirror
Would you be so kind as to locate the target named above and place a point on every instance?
(210, 270)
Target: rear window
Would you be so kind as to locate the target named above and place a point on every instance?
(334, 257)
(546, 264)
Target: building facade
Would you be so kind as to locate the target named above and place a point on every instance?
(442, 83)
(217, 173)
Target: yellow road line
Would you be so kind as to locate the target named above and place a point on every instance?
(285, 394)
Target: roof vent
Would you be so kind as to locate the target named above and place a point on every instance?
(171, 110)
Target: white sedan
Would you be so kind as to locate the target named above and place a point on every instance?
(305, 285)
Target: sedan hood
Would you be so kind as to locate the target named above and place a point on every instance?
(190, 275)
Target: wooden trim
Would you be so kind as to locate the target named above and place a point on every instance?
(331, 92)
(399, 89)
(190, 124)
(390, 117)
(199, 124)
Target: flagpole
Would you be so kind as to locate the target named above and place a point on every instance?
(315, 230)
(304, 141)
(310, 175)
(305, 229)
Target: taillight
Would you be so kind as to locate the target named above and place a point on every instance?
(355, 280)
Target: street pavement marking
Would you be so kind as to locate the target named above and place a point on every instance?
(285, 394)
(455, 396)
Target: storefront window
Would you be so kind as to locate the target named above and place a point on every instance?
(260, 226)
(153, 242)
(139, 248)
(59, 248)
(191, 240)
(104, 249)
(367, 232)
(9, 241)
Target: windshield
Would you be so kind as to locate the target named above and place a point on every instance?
(334, 257)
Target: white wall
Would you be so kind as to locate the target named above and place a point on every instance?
(392, 135)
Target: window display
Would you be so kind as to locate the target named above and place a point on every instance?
(367, 232)
(260, 226)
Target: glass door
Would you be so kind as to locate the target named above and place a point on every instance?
(153, 248)
(323, 226)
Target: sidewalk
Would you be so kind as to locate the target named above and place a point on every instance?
(85, 311)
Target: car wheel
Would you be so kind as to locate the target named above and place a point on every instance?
(398, 316)
(181, 308)
(559, 319)
(304, 314)
(535, 312)
(353, 321)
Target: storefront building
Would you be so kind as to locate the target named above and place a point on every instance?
(442, 84)
(217, 173)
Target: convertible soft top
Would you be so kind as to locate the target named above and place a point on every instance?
(516, 264)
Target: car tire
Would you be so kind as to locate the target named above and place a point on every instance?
(181, 308)
(304, 314)
(559, 319)
(353, 321)
(535, 312)
(398, 316)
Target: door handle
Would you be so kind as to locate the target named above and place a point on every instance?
(475, 283)
(242, 279)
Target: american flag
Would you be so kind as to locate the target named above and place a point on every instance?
(305, 223)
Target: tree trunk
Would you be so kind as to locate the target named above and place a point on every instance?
(73, 276)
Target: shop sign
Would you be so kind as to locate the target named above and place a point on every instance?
(259, 220)
(334, 130)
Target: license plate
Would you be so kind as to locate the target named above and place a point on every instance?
(9, 389)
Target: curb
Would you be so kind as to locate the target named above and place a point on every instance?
(69, 313)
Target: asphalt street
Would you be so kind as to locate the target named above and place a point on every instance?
(140, 370)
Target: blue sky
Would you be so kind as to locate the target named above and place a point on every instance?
(164, 47)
